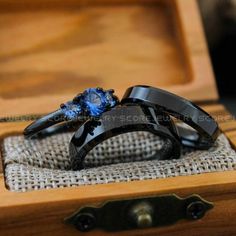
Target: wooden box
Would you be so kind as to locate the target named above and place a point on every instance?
(52, 49)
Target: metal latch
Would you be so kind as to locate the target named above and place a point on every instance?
(139, 213)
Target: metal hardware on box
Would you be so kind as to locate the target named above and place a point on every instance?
(139, 213)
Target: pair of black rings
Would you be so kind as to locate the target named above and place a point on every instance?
(97, 115)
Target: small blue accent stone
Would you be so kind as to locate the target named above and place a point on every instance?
(71, 110)
(110, 99)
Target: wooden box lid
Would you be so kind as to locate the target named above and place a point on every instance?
(51, 50)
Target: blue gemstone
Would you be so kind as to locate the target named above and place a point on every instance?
(94, 101)
(110, 99)
(97, 101)
(71, 110)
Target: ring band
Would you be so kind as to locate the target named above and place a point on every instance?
(182, 109)
(89, 104)
(121, 119)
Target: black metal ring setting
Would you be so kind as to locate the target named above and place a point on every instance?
(97, 115)
(119, 120)
(180, 108)
(89, 104)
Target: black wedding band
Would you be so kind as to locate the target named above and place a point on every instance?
(119, 120)
(180, 108)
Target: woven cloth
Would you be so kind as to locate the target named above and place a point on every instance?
(44, 163)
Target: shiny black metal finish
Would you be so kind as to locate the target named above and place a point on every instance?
(119, 120)
(59, 128)
(182, 109)
(44, 122)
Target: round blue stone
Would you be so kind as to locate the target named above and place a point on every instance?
(95, 101)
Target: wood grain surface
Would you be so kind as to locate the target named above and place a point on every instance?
(48, 55)
(42, 212)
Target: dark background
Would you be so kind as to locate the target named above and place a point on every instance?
(219, 18)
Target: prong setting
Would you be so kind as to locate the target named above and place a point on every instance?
(92, 102)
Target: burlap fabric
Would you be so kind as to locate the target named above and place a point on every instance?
(45, 163)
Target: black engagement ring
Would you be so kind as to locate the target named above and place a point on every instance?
(89, 104)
